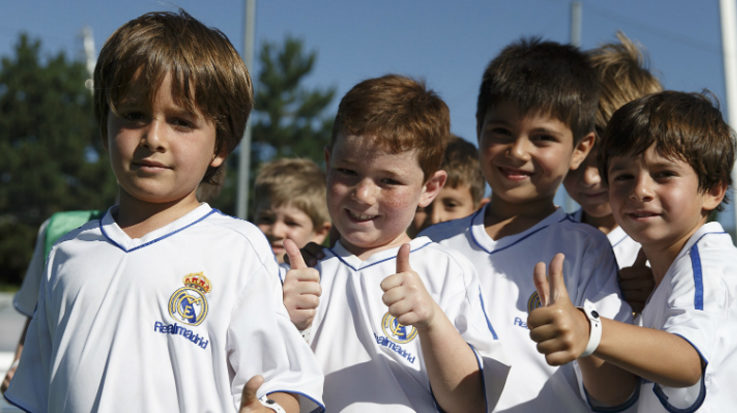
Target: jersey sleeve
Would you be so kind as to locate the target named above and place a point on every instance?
(29, 389)
(262, 340)
(595, 274)
(468, 314)
(25, 299)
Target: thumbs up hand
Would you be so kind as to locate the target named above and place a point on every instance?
(301, 289)
(560, 330)
(406, 296)
(636, 282)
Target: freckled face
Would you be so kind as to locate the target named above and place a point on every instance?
(372, 195)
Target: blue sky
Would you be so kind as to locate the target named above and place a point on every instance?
(447, 44)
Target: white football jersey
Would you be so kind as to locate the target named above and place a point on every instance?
(697, 300)
(505, 268)
(372, 363)
(25, 298)
(177, 320)
(625, 248)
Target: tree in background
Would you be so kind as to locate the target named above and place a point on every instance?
(288, 119)
(51, 156)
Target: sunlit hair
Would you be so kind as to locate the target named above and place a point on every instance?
(461, 162)
(206, 71)
(542, 77)
(683, 126)
(623, 76)
(399, 114)
(296, 182)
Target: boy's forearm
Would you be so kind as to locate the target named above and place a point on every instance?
(655, 355)
(605, 382)
(455, 376)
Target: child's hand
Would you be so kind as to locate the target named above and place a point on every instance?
(250, 402)
(560, 330)
(636, 282)
(301, 288)
(406, 296)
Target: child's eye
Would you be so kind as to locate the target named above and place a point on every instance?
(133, 116)
(544, 138)
(390, 181)
(661, 175)
(622, 177)
(264, 220)
(182, 123)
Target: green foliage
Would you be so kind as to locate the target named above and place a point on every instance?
(51, 157)
(288, 119)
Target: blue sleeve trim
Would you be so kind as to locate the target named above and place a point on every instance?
(613, 409)
(702, 391)
(16, 404)
(697, 277)
(320, 407)
(483, 379)
(486, 317)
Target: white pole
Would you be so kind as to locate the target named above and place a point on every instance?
(244, 160)
(569, 204)
(728, 15)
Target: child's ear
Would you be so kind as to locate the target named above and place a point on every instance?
(219, 157)
(432, 186)
(582, 149)
(713, 197)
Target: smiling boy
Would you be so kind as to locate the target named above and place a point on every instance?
(535, 122)
(667, 159)
(399, 323)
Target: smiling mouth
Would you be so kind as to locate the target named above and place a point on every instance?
(642, 215)
(514, 174)
(357, 217)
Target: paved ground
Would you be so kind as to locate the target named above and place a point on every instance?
(11, 325)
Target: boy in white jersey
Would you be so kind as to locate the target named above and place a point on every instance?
(535, 120)
(400, 323)
(667, 160)
(622, 77)
(153, 307)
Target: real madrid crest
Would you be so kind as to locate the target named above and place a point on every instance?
(533, 302)
(189, 304)
(395, 331)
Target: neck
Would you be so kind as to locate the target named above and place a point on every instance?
(137, 218)
(605, 224)
(502, 218)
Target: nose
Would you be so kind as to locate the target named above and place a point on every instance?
(437, 214)
(365, 192)
(154, 136)
(591, 176)
(279, 230)
(519, 149)
(642, 189)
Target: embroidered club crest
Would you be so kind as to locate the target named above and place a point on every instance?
(533, 302)
(395, 331)
(188, 304)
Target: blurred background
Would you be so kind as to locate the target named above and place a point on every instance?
(305, 56)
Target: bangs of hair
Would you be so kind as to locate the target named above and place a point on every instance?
(396, 114)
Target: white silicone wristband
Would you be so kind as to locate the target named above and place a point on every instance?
(594, 328)
(273, 405)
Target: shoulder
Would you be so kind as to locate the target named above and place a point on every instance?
(449, 229)
(237, 230)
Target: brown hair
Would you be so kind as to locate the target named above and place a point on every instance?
(298, 182)
(207, 72)
(623, 76)
(399, 114)
(461, 162)
(685, 126)
(542, 76)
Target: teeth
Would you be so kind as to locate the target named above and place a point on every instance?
(360, 217)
